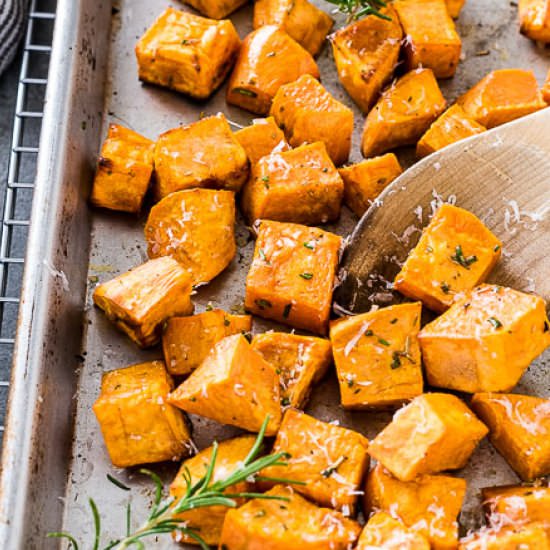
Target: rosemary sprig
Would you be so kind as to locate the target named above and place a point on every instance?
(163, 516)
(355, 9)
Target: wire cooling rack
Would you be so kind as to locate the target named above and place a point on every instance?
(16, 192)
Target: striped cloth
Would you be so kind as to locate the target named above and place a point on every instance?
(12, 19)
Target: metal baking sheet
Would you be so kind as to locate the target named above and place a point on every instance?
(54, 458)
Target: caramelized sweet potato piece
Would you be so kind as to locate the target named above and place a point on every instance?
(186, 341)
(403, 113)
(208, 521)
(141, 300)
(546, 89)
(377, 356)
(455, 253)
(262, 137)
(386, 532)
(534, 19)
(429, 505)
(233, 385)
(519, 427)
(301, 362)
(279, 525)
(306, 23)
(452, 126)
(364, 181)
(454, 7)
(435, 432)
(187, 53)
(215, 9)
(292, 275)
(138, 425)
(365, 54)
(307, 113)
(485, 341)
(124, 170)
(431, 38)
(527, 537)
(268, 58)
(202, 154)
(299, 186)
(502, 96)
(196, 228)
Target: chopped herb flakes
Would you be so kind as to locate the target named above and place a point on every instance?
(286, 311)
(497, 248)
(285, 401)
(306, 276)
(329, 470)
(309, 245)
(244, 91)
(265, 178)
(383, 342)
(445, 287)
(226, 321)
(395, 360)
(263, 304)
(350, 382)
(393, 321)
(261, 253)
(495, 322)
(369, 332)
(459, 258)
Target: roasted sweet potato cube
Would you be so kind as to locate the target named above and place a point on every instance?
(216, 9)
(283, 524)
(455, 253)
(533, 536)
(124, 170)
(292, 275)
(519, 426)
(435, 432)
(300, 186)
(384, 531)
(187, 53)
(377, 356)
(306, 23)
(364, 181)
(261, 138)
(329, 460)
(268, 58)
(208, 521)
(534, 19)
(307, 113)
(300, 361)
(186, 341)
(196, 227)
(431, 38)
(365, 54)
(203, 154)
(454, 7)
(501, 96)
(233, 385)
(137, 423)
(485, 341)
(452, 126)
(403, 113)
(429, 505)
(142, 299)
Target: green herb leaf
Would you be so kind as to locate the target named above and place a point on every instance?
(495, 322)
(460, 259)
(329, 470)
(355, 9)
(309, 245)
(383, 342)
(263, 304)
(244, 91)
(306, 276)
(118, 483)
(396, 361)
(445, 287)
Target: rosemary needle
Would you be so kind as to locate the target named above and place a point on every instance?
(355, 9)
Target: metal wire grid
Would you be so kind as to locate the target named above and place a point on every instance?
(16, 196)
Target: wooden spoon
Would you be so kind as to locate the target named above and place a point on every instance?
(502, 176)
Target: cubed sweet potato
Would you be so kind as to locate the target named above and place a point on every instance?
(546, 89)
(139, 301)
(299, 186)
(501, 96)
(364, 181)
(485, 341)
(452, 126)
(306, 112)
(292, 275)
(137, 423)
(215, 9)
(284, 524)
(262, 137)
(300, 361)
(519, 427)
(329, 460)
(268, 58)
(202, 154)
(187, 53)
(377, 356)
(455, 253)
(534, 19)
(533, 536)
(196, 227)
(306, 23)
(208, 521)
(403, 113)
(431, 38)
(429, 505)
(233, 385)
(386, 532)
(186, 341)
(365, 54)
(435, 432)
(124, 170)
(454, 7)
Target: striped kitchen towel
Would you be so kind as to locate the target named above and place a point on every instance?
(12, 19)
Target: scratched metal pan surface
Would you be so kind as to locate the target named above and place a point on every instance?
(54, 457)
